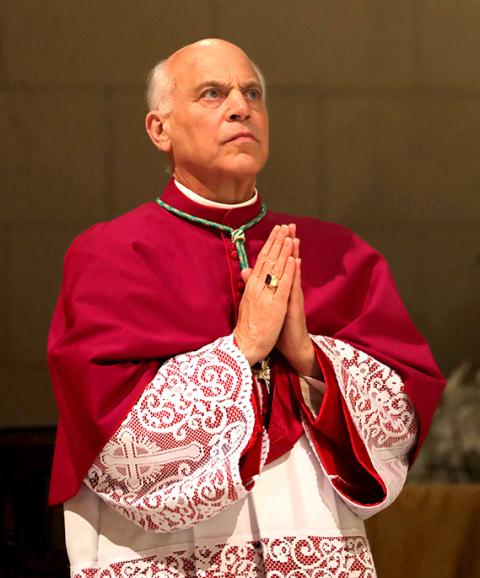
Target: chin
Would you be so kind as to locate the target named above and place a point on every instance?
(246, 166)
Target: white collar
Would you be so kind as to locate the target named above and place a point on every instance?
(208, 203)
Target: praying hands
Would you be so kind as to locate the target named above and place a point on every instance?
(272, 308)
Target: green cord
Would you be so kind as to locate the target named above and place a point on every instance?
(236, 235)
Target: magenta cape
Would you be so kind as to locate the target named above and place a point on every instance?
(149, 285)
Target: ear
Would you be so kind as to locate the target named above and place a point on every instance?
(157, 127)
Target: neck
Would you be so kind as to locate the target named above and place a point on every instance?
(228, 191)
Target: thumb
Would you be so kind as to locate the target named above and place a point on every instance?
(245, 274)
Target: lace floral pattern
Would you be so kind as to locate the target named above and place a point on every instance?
(383, 414)
(174, 460)
(378, 404)
(286, 557)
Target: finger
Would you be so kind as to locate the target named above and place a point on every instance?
(277, 267)
(296, 248)
(293, 230)
(267, 259)
(297, 279)
(285, 285)
(277, 245)
(264, 251)
(296, 305)
(268, 243)
(245, 274)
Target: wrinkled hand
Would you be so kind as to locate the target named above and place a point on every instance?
(294, 342)
(262, 310)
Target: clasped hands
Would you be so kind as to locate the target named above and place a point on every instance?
(270, 317)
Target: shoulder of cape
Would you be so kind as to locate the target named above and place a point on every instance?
(313, 230)
(117, 233)
(310, 225)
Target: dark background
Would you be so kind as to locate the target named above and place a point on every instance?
(375, 118)
(375, 123)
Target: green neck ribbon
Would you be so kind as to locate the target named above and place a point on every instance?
(236, 235)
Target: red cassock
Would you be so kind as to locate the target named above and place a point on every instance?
(149, 285)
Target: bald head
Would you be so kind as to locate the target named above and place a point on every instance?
(208, 114)
(163, 77)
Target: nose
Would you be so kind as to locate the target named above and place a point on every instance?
(237, 108)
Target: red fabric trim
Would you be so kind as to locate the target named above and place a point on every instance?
(71, 457)
(285, 426)
(251, 455)
(338, 445)
(232, 283)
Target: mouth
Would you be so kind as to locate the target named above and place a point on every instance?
(244, 136)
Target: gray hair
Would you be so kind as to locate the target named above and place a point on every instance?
(160, 87)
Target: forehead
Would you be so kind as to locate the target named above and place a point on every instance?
(225, 64)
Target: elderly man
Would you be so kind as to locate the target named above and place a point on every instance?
(227, 408)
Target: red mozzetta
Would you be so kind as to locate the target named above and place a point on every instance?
(150, 285)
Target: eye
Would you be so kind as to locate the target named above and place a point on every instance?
(211, 94)
(253, 94)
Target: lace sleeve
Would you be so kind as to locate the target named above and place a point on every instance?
(174, 461)
(383, 418)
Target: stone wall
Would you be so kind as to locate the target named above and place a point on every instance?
(375, 115)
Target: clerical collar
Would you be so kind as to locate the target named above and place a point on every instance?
(209, 203)
(174, 199)
(232, 215)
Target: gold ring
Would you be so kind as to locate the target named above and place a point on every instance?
(272, 281)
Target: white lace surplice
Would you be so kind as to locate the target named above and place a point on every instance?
(165, 496)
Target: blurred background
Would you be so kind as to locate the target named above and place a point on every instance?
(375, 123)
